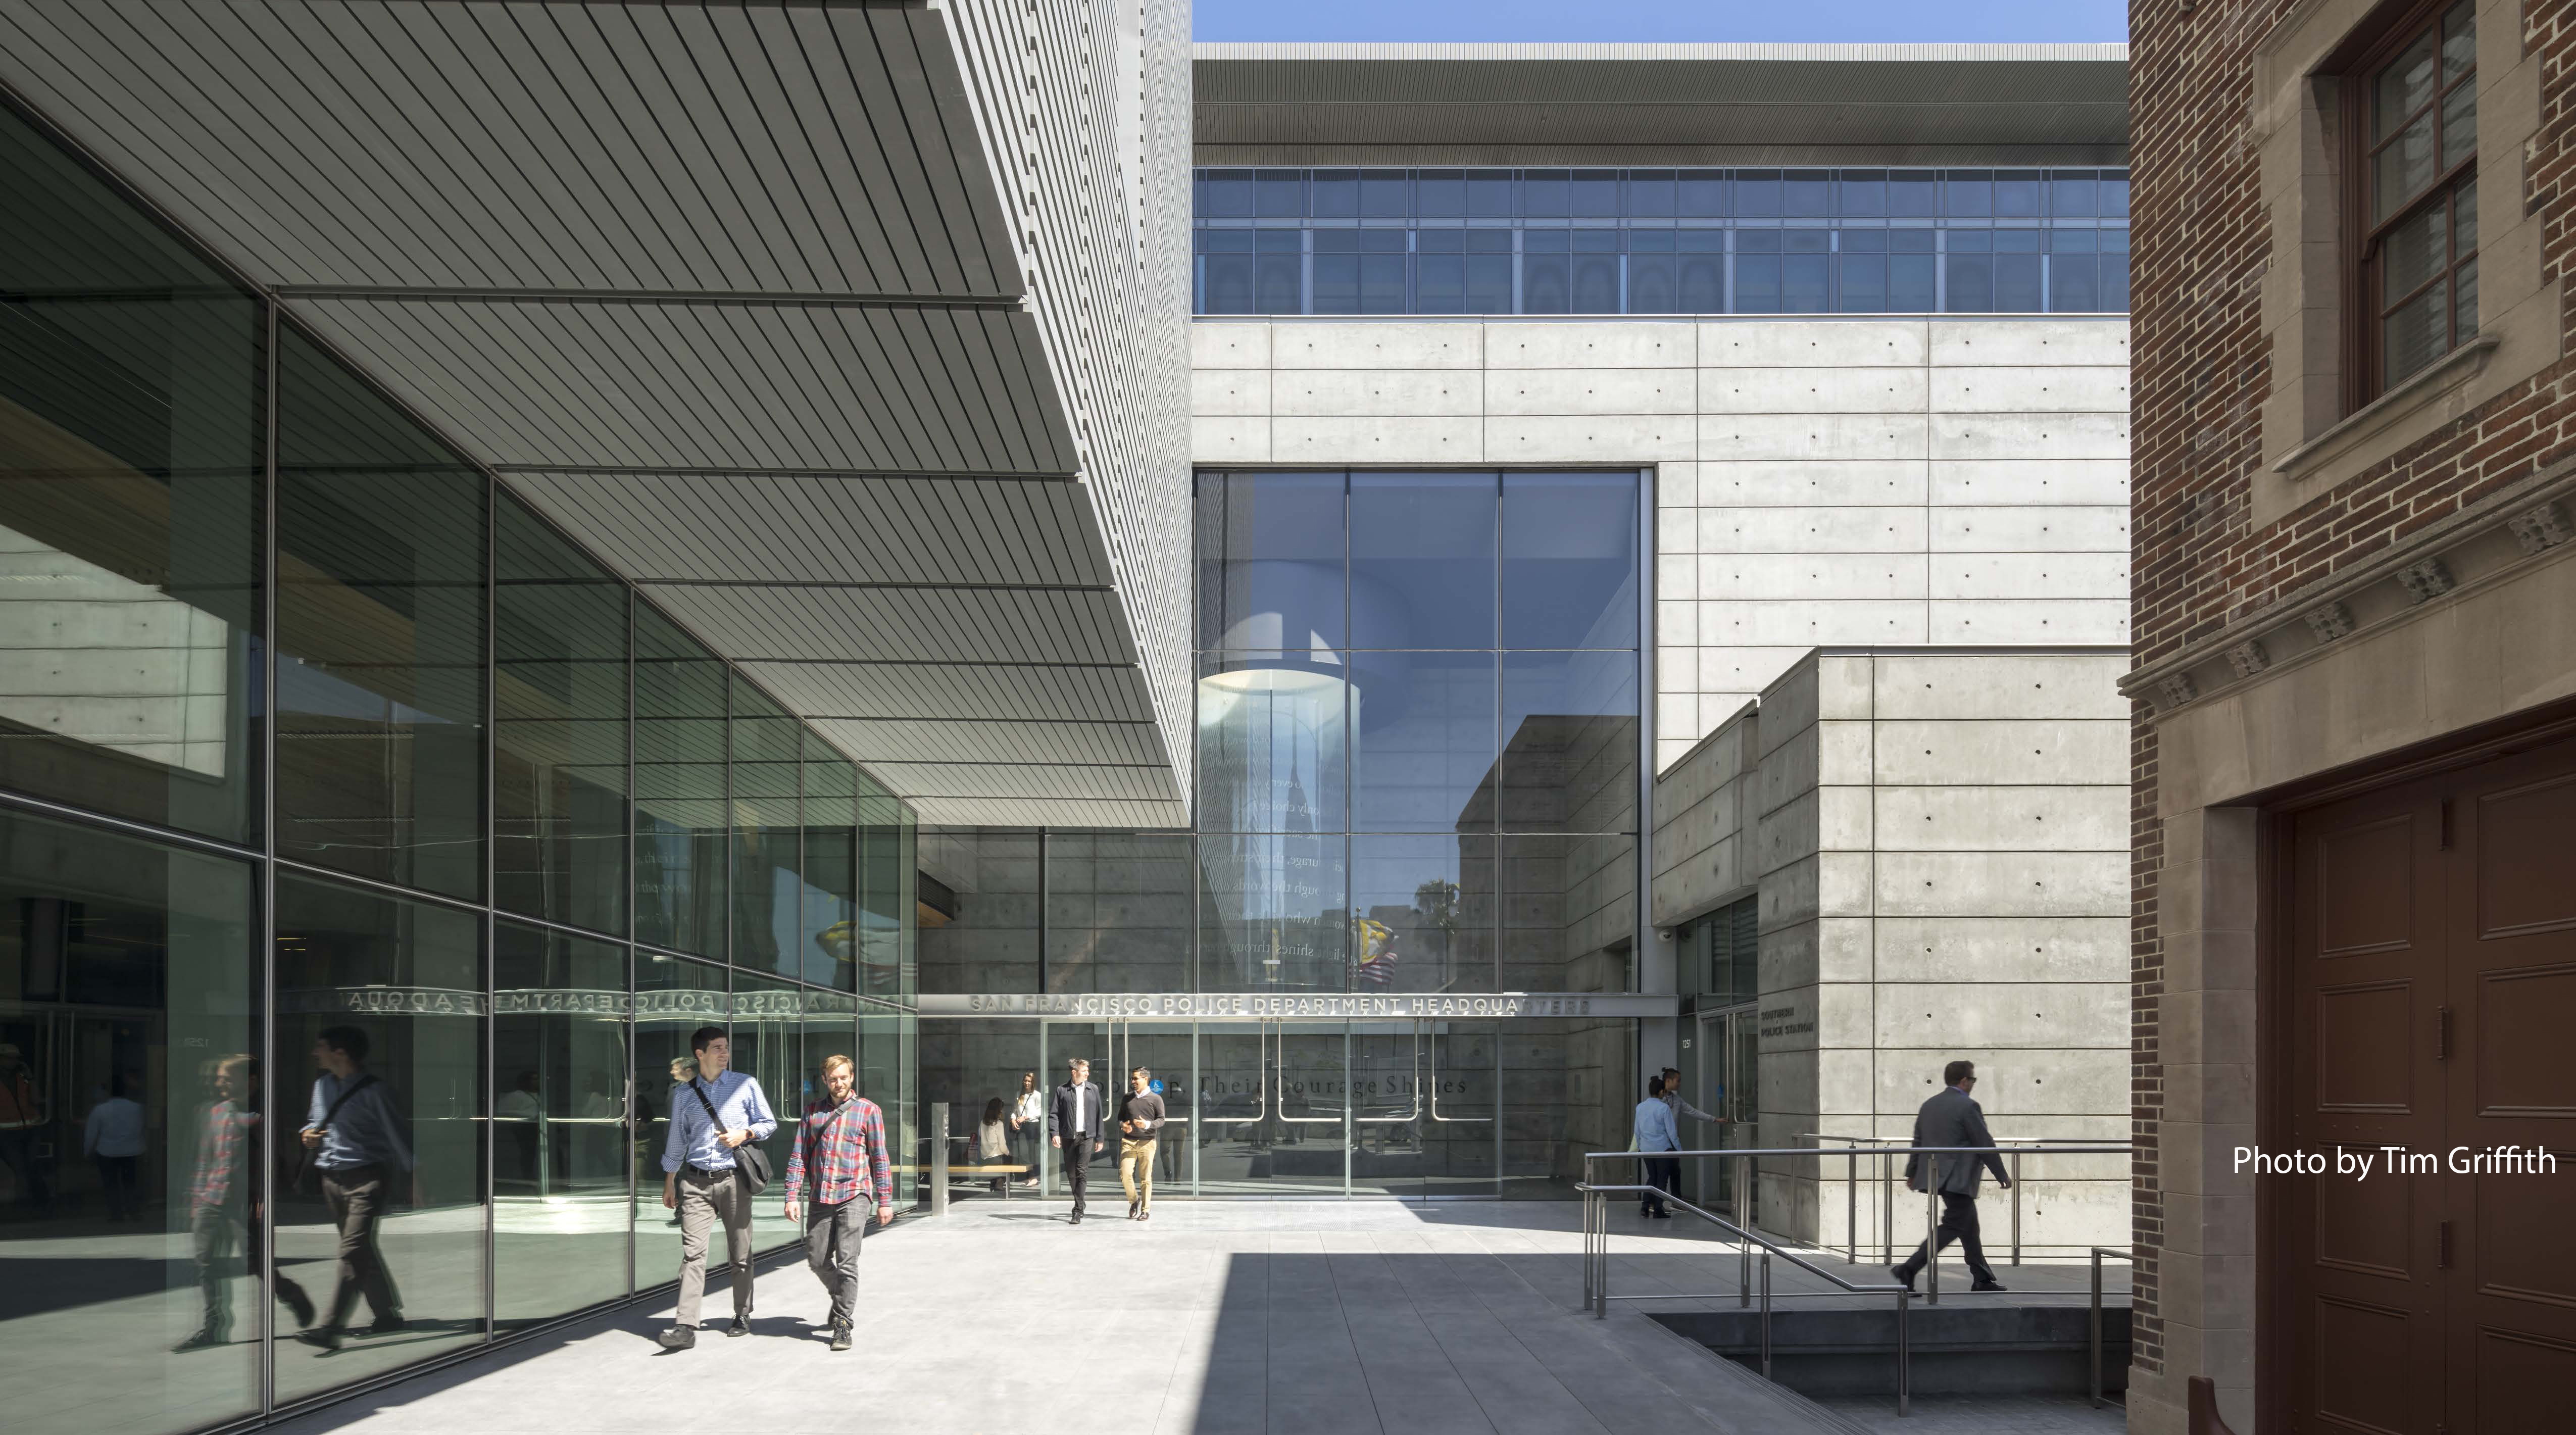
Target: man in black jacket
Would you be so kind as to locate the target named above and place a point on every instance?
(1953, 1118)
(1073, 1127)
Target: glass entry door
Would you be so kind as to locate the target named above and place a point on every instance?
(1719, 1073)
(1274, 1109)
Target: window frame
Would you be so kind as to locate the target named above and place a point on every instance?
(2364, 240)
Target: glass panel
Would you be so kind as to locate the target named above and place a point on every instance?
(2403, 88)
(830, 934)
(559, 731)
(1278, 278)
(1545, 287)
(1569, 760)
(2071, 194)
(132, 444)
(1703, 284)
(1568, 1086)
(377, 986)
(766, 888)
(1279, 193)
(2459, 125)
(130, 1149)
(1274, 1107)
(1273, 744)
(1968, 193)
(1337, 278)
(1911, 284)
(768, 1046)
(1972, 284)
(1225, 284)
(2115, 194)
(673, 997)
(2459, 41)
(2464, 220)
(380, 609)
(1757, 193)
(1864, 286)
(979, 910)
(1425, 749)
(2017, 283)
(2403, 168)
(1422, 560)
(2464, 305)
(1569, 913)
(1489, 275)
(1381, 280)
(1118, 912)
(1650, 284)
(1223, 194)
(1333, 193)
(900, 891)
(1422, 913)
(1596, 284)
(1387, 1108)
(1702, 193)
(1458, 1130)
(1569, 560)
(2016, 194)
(1805, 284)
(1805, 193)
(1270, 561)
(680, 826)
(1543, 193)
(1757, 283)
(1650, 193)
(1489, 194)
(2073, 287)
(887, 1054)
(1594, 193)
(1440, 283)
(2418, 332)
(1272, 912)
(990, 1074)
(1440, 194)
(1913, 193)
(1862, 193)
(2413, 252)
(559, 1124)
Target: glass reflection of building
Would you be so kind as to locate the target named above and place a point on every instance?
(307, 727)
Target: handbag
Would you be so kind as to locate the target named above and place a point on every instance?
(304, 1183)
(749, 1161)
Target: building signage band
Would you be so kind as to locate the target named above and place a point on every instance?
(1247, 1006)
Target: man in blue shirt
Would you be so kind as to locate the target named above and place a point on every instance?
(356, 1138)
(701, 1180)
(1655, 1133)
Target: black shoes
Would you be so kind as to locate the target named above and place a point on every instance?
(840, 1336)
(1902, 1278)
(741, 1326)
(1077, 1218)
(201, 1340)
(296, 1301)
(320, 1338)
(679, 1337)
(1987, 1286)
(1131, 1210)
(388, 1324)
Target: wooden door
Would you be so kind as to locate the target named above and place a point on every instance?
(2432, 952)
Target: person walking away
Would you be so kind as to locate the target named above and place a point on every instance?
(356, 1138)
(223, 1206)
(1655, 1133)
(1028, 1113)
(112, 1139)
(993, 1142)
(711, 1117)
(1073, 1127)
(1140, 1130)
(1953, 1118)
(683, 1071)
(836, 1172)
(22, 1122)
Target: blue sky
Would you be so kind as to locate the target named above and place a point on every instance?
(1849, 21)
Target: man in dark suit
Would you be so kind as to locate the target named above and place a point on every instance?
(1073, 1127)
(1953, 1118)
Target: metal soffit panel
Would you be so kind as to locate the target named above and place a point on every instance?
(724, 290)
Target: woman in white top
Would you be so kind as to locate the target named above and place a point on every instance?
(1028, 1118)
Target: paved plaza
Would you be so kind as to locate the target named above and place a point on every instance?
(1302, 1318)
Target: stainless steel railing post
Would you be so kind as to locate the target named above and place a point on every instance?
(1904, 1358)
(939, 1158)
(1851, 1209)
(1887, 1207)
(2093, 1390)
(1931, 1228)
(1744, 1218)
(1766, 1315)
(2016, 1180)
(1588, 1194)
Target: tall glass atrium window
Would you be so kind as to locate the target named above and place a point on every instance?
(1662, 241)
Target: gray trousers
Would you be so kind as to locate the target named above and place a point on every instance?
(832, 1235)
(704, 1200)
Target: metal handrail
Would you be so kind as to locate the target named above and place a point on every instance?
(2013, 1145)
(1596, 1239)
(1596, 1271)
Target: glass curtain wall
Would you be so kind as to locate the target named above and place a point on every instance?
(1662, 241)
(333, 776)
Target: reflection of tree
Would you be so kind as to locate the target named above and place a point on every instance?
(1436, 902)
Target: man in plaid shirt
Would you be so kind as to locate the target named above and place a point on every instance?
(838, 1169)
(221, 1213)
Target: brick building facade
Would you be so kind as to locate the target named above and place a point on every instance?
(2350, 575)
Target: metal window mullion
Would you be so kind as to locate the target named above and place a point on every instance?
(632, 975)
(265, 1216)
(491, 813)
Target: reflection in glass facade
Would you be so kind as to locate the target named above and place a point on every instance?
(527, 834)
(1661, 241)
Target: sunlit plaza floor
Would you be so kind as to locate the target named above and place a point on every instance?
(1214, 1317)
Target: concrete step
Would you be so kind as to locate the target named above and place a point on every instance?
(1990, 1348)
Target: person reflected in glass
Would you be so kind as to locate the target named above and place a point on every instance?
(683, 1071)
(223, 1203)
(522, 1109)
(1028, 1115)
(112, 1139)
(711, 1117)
(993, 1143)
(22, 1124)
(356, 1140)
(836, 1172)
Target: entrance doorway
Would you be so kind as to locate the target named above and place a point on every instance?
(2428, 987)
(1720, 1076)
(1290, 1110)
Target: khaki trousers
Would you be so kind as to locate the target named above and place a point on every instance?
(705, 1200)
(1136, 1171)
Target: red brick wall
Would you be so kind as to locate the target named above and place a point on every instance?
(2201, 373)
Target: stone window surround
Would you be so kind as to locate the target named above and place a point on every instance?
(2310, 445)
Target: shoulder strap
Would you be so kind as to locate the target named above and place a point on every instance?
(332, 1112)
(709, 1105)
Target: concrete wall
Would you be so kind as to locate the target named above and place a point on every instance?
(1939, 842)
(1820, 480)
